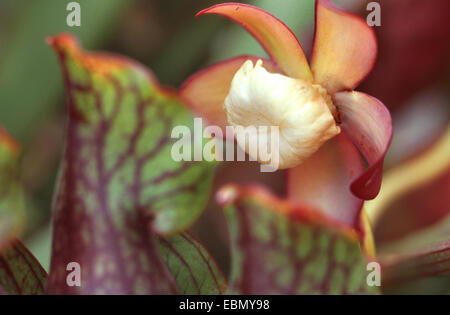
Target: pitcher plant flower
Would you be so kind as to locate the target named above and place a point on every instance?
(332, 139)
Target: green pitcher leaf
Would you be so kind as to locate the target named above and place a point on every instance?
(279, 247)
(118, 182)
(20, 272)
(194, 270)
(11, 195)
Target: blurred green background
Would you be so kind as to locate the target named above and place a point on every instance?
(166, 36)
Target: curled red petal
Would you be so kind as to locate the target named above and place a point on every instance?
(368, 122)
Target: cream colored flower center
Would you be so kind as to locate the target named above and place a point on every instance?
(302, 111)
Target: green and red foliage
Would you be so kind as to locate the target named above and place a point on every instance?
(11, 195)
(20, 272)
(279, 247)
(118, 188)
(123, 207)
(432, 261)
(121, 204)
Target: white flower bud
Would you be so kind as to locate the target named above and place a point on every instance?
(302, 111)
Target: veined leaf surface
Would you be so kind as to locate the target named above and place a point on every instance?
(431, 261)
(20, 272)
(194, 270)
(118, 184)
(278, 247)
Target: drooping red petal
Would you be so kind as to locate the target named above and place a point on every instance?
(206, 90)
(344, 50)
(276, 38)
(324, 179)
(368, 122)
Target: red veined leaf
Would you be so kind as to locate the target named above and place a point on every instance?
(20, 272)
(193, 268)
(11, 194)
(118, 182)
(279, 247)
(430, 261)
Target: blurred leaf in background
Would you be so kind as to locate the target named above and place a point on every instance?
(29, 79)
(31, 99)
(11, 194)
